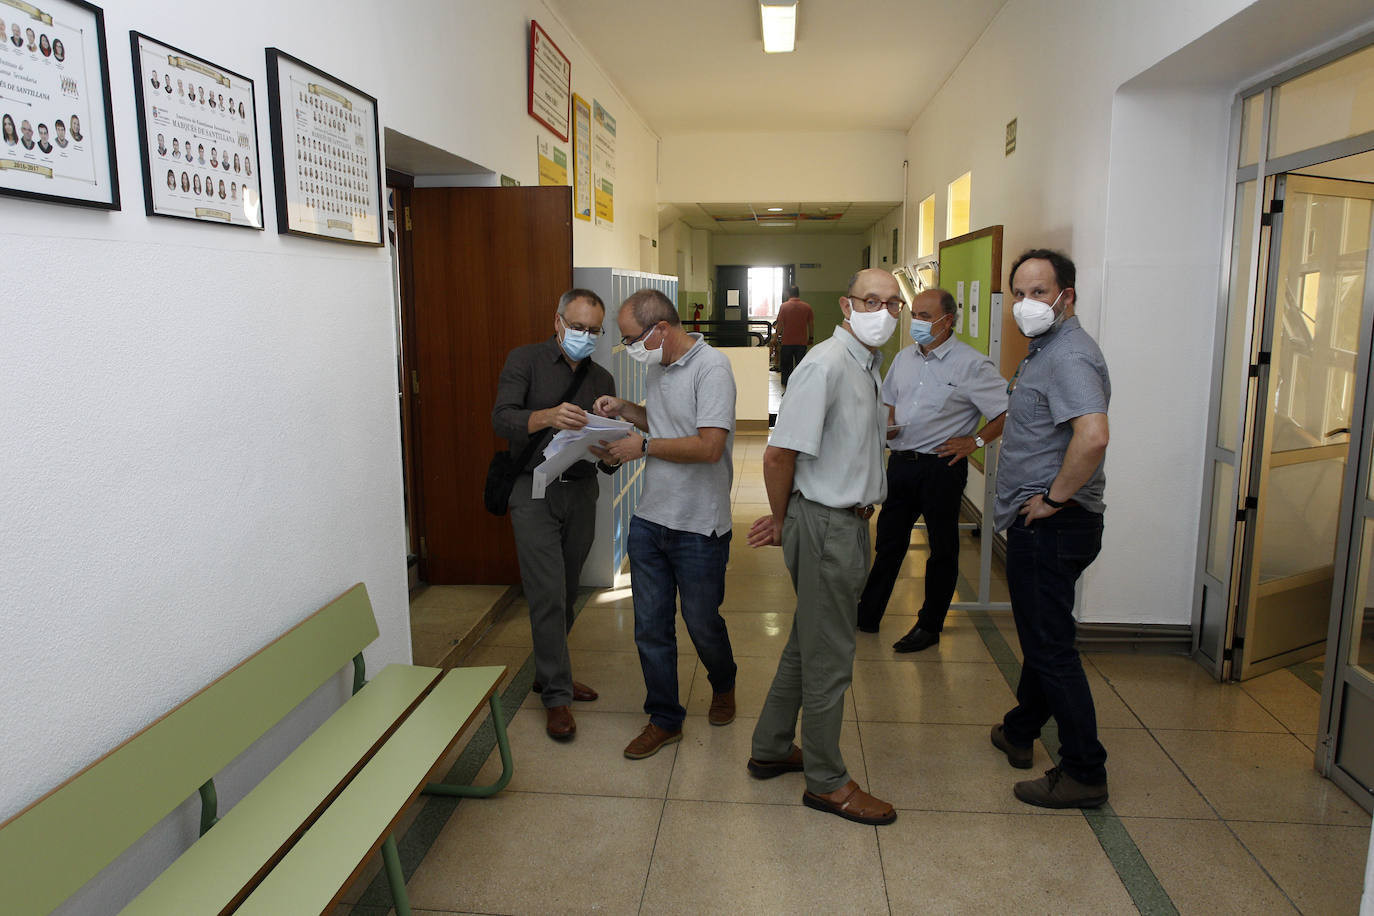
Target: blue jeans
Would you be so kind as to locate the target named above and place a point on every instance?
(666, 564)
(1044, 561)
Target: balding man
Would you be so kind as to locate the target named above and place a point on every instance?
(935, 393)
(823, 470)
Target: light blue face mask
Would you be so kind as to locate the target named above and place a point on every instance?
(578, 344)
(920, 332)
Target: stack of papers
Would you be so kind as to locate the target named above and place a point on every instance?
(570, 446)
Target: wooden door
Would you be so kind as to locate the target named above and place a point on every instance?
(489, 266)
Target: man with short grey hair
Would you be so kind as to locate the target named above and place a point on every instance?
(679, 540)
(545, 387)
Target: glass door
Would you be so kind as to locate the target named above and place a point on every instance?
(1300, 420)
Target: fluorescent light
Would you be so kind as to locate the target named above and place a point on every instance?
(775, 209)
(779, 25)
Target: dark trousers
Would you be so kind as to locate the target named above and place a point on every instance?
(924, 487)
(668, 566)
(788, 357)
(1044, 560)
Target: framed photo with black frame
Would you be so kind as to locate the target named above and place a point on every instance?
(326, 154)
(58, 137)
(198, 134)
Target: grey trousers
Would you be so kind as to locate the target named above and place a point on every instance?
(552, 538)
(826, 551)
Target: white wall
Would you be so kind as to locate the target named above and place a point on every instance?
(199, 431)
(838, 255)
(731, 166)
(1131, 184)
(880, 242)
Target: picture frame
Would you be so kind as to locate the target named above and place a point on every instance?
(55, 86)
(326, 154)
(550, 83)
(176, 127)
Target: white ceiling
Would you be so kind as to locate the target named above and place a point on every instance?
(779, 217)
(689, 65)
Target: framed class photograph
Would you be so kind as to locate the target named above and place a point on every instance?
(326, 153)
(198, 135)
(58, 138)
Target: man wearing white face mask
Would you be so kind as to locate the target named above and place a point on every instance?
(823, 470)
(935, 393)
(679, 542)
(545, 387)
(1049, 501)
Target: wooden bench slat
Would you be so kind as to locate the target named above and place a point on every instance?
(321, 863)
(53, 847)
(221, 864)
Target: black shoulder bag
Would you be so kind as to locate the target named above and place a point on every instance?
(504, 468)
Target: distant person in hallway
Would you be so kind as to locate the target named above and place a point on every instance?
(936, 392)
(796, 326)
(823, 470)
(679, 539)
(554, 534)
(1049, 502)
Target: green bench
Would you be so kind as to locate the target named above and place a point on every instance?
(296, 841)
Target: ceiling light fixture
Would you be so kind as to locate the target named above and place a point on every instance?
(775, 209)
(779, 25)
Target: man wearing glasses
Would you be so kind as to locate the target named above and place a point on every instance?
(1049, 503)
(823, 470)
(679, 540)
(935, 393)
(554, 534)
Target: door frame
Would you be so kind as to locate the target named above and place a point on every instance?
(412, 477)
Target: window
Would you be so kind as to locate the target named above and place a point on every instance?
(925, 241)
(956, 213)
(765, 292)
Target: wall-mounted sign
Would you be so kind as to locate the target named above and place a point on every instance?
(603, 164)
(1011, 136)
(582, 158)
(550, 83)
(553, 163)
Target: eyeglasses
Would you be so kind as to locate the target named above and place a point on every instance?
(872, 304)
(579, 327)
(628, 341)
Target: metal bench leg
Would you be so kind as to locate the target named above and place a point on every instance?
(395, 877)
(507, 765)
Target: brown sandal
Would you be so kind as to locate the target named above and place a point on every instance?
(854, 805)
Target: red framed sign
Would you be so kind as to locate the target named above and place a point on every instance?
(550, 93)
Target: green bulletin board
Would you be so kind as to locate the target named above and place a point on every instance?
(973, 263)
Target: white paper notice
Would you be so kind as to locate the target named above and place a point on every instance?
(959, 298)
(973, 308)
(732, 297)
(570, 446)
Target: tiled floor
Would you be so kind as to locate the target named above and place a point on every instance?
(1212, 786)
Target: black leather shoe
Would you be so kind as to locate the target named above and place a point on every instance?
(865, 628)
(916, 640)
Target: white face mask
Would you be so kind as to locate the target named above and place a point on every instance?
(1034, 317)
(641, 354)
(872, 328)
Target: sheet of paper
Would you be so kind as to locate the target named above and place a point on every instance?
(570, 446)
(959, 300)
(973, 289)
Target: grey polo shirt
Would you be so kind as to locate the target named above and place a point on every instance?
(534, 377)
(696, 390)
(1063, 377)
(834, 419)
(941, 394)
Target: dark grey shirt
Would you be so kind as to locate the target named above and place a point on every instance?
(1064, 376)
(534, 378)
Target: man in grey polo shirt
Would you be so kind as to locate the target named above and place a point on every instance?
(1049, 501)
(823, 470)
(679, 539)
(935, 393)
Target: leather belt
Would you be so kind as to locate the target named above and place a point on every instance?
(913, 455)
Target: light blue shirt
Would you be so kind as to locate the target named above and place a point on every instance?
(941, 394)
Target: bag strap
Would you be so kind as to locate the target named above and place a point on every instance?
(538, 442)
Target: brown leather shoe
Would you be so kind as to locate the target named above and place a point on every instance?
(767, 769)
(722, 710)
(581, 692)
(561, 726)
(852, 803)
(650, 741)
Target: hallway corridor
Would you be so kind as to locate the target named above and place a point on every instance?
(1215, 807)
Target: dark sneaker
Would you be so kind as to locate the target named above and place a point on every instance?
(1019, 757)
(650, 741)
(916, 640)
(767, 769)
(722, 711)
(1057, 789)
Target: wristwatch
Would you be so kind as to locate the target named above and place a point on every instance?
(978, 441)
(644, 445)
(1053, 504)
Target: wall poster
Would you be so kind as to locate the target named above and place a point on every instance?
(198, 135)
(58, 140)
(550, 83)
(326, 152)
(553, 162)
(603, 164)
(582, 158)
